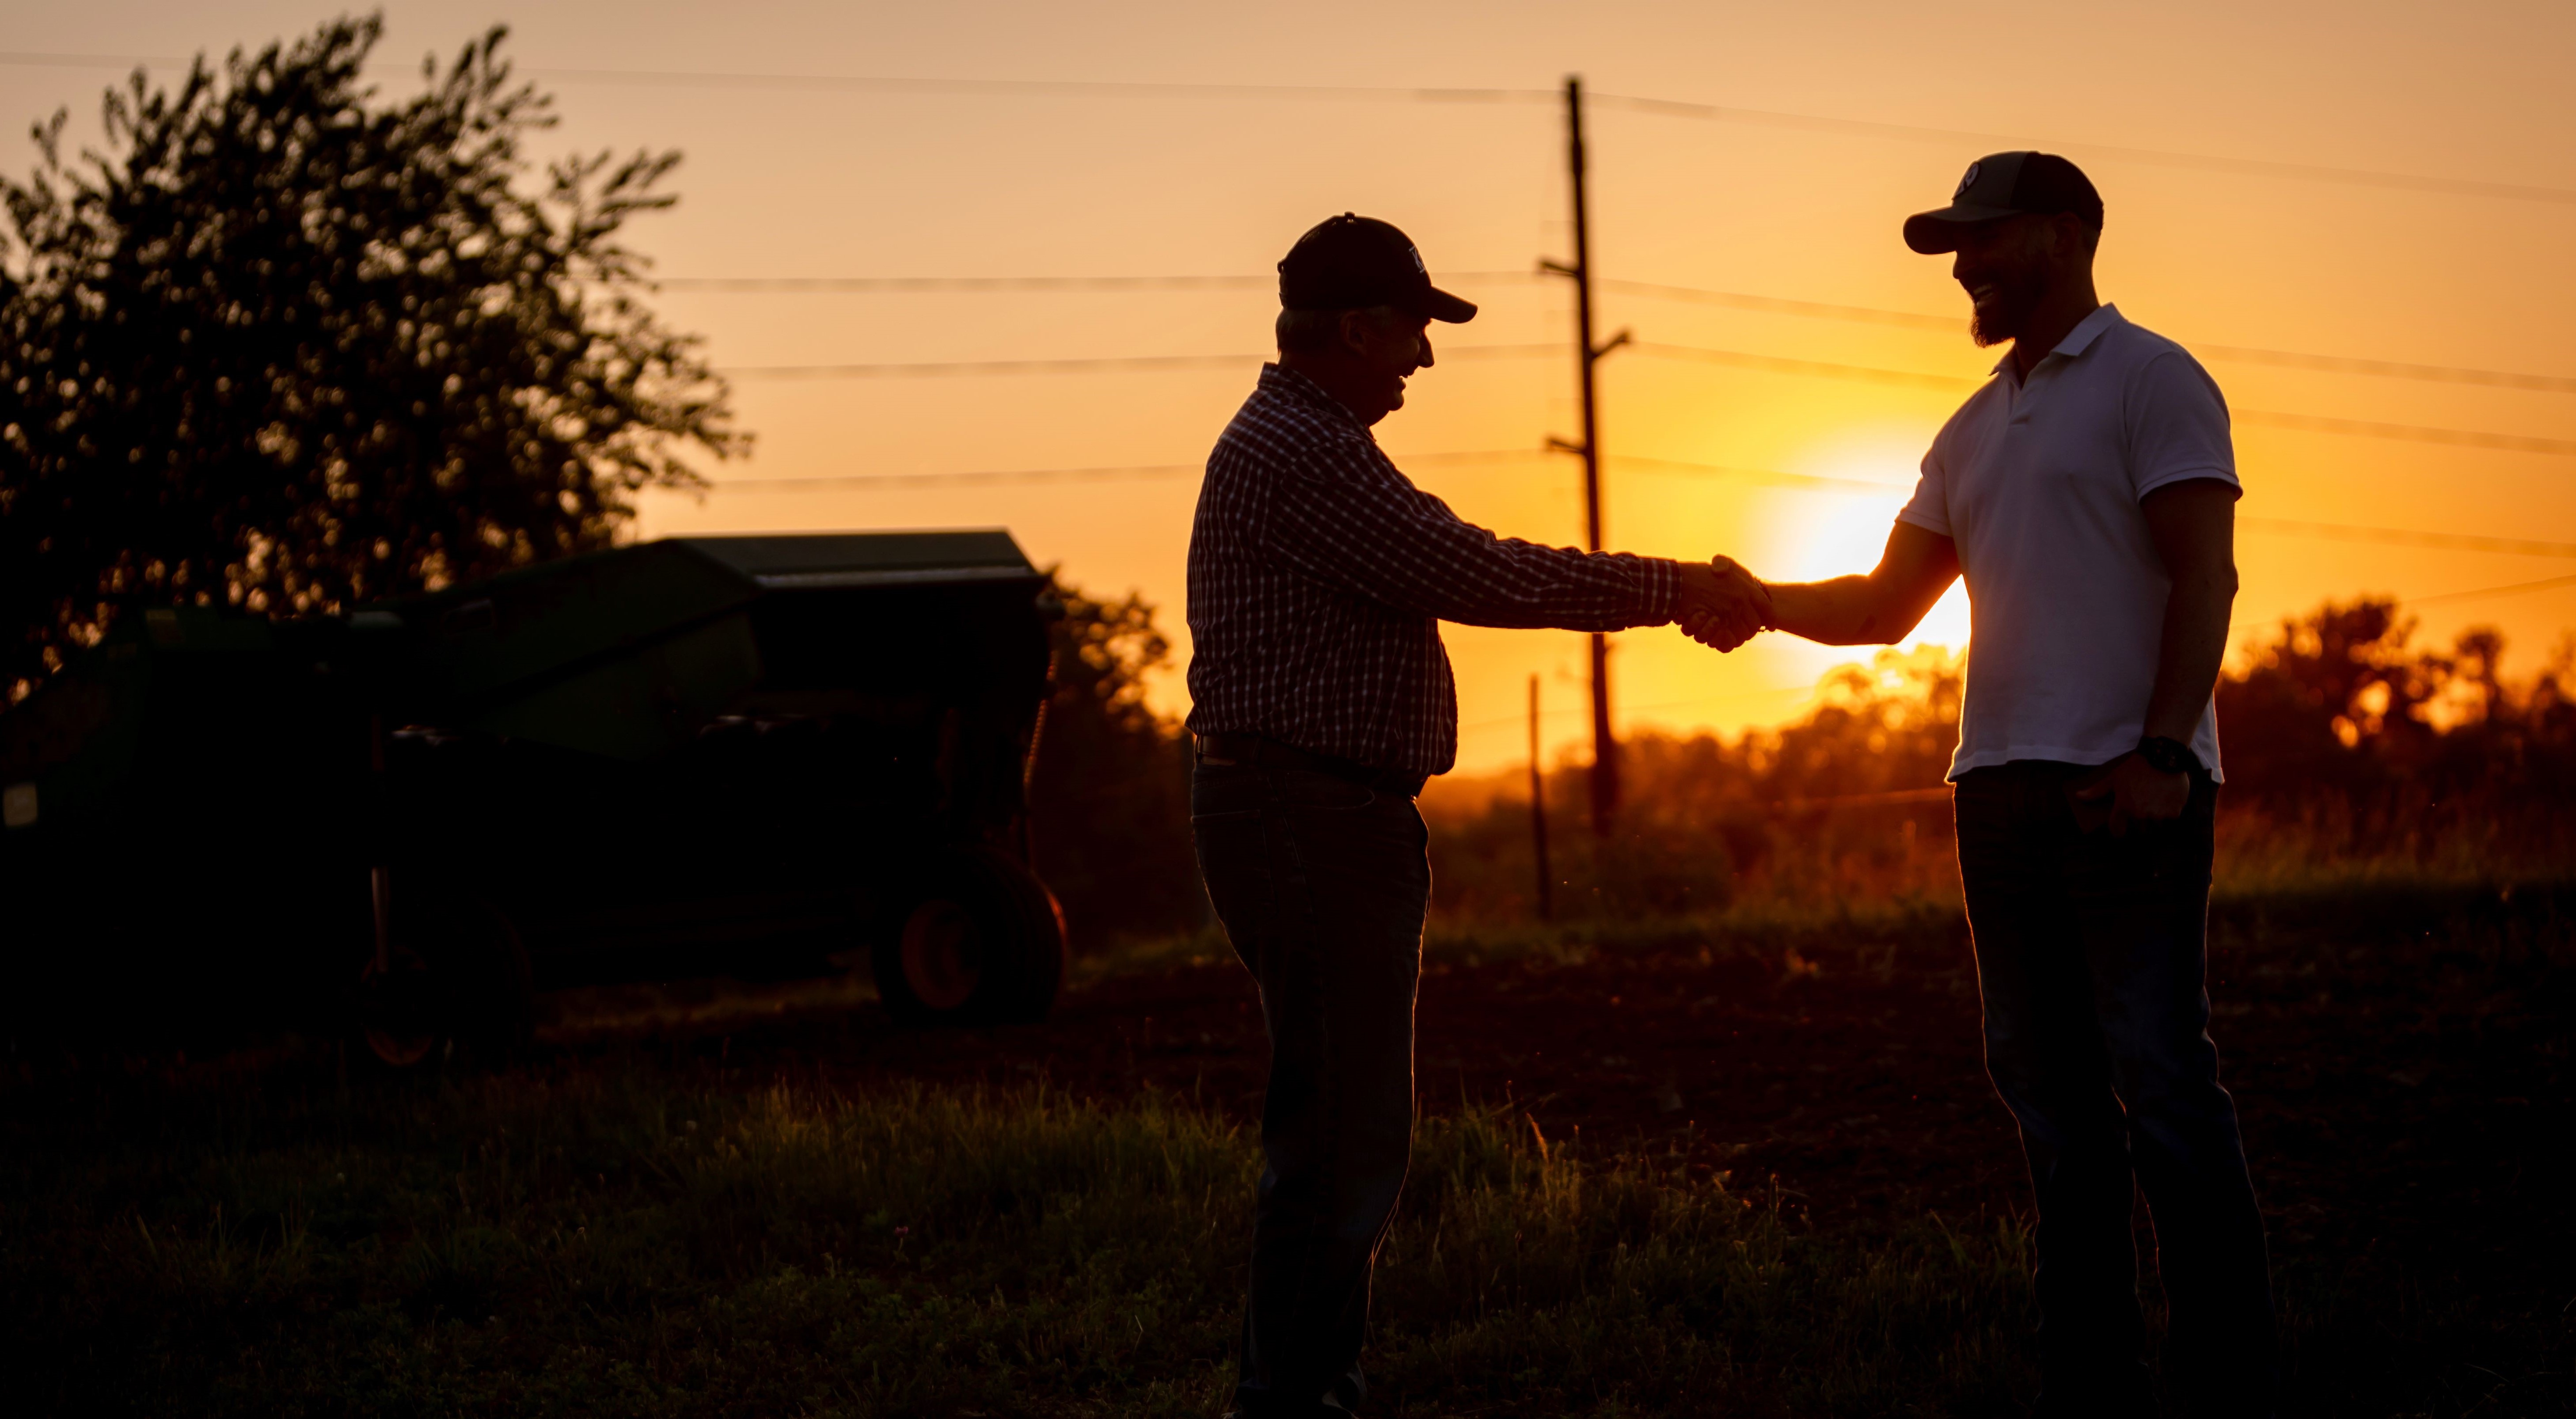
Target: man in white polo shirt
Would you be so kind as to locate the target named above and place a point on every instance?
(2087, 492)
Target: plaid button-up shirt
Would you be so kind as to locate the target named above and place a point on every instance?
(1319, 575)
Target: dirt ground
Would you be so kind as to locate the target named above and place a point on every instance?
(1856, 1090)
(2405, 1096)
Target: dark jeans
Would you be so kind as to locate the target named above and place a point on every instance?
(1322, 886)
(2091, 956)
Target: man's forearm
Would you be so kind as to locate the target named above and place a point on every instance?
(1877, 609)
(1534, 587)
(1848, 610)
(2195, 643)
(2193, 524)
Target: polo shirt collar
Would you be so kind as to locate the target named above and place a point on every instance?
(2078, 340)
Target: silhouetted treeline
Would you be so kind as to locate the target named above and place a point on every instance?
(2338, 730)
(285, 345)
(1109, 808)
(2339, 733)
(2340, 705)
(1800, 809)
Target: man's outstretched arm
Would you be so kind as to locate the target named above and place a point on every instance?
(1355, 523)
(1876, 609)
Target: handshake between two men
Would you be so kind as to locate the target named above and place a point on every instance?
(1723, 605)
(2106, 584)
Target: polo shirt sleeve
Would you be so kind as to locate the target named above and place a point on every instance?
(2175, 425)
(1929, 508)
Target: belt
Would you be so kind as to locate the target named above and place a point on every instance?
(1261, 752)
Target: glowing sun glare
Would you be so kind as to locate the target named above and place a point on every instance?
(1839, 534)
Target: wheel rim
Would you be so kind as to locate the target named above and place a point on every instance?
(395, 1009)
(939, 964)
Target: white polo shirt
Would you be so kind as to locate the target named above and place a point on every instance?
(2038, 483)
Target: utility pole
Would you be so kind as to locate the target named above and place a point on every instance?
(1605, 749)
(1538, 817)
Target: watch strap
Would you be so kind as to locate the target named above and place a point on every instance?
(2169, 756)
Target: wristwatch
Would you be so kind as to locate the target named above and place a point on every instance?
(2169, 756)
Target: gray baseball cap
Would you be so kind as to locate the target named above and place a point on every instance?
(2006, 185)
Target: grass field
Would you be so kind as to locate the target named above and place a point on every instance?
(735, 1225)
(612, 1243)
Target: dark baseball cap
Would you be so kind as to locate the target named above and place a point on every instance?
(2006, 185)
(1352, 262)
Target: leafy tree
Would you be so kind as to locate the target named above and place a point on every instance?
(2314, 692)
(2340, 704)
(285, 346)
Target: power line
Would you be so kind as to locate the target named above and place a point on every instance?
(1817, 369)
(1674, 467)
(28, 59)
(882, 83)
(2410, 433)
(1671, 467)
(932, 369)
(872, 285)
(2485, 591)
(869, 285)
(2270, 418)
(1169, 470)
(2406, 537)
(2389, 369)
(939, 480)
(1039, 88)
(1111, 364)
(2280, 526)
(1776, 305)
(2242, 354)
(1735, 359)
(1060, 475)
(2243, 167)
(1699, 295)
(1669, 108)
(1638, 463)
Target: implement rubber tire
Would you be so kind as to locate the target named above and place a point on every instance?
(458, 978)
(976, 939)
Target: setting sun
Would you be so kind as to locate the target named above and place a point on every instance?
(1842, 531)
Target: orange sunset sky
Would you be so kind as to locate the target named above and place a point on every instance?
(796, 176)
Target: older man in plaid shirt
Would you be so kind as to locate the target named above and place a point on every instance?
(1318, 577)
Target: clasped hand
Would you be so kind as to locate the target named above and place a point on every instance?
(2127, 791)
(1723, 605)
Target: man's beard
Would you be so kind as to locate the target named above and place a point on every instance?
(2017, 294)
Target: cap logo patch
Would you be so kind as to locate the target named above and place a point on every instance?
(1966, 182)
(1417, 260)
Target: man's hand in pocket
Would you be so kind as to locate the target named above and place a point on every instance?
(2131, 790)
